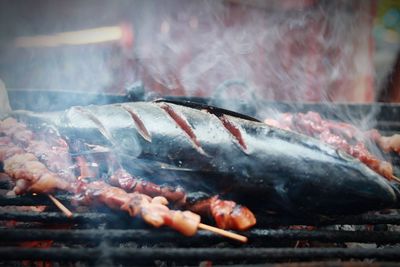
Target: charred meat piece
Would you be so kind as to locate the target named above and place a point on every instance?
(388, 143)
(56, 158)
(227, 214)
(8, 148)
(18, 132)
(33, 176)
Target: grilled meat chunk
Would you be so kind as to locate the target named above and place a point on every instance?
(33, 176)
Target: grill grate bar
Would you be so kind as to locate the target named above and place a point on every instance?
(4, 184)
(326, 236)
(187, 254)
(120, 235)
(57, 217)
(155, 235)
(30, 200)
(91, 216)
(360, 219)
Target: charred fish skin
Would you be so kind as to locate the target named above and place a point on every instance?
(285, 171)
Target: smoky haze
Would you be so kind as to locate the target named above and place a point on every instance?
(297, 51)
(309, 52)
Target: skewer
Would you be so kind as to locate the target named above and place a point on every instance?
(222, 232)
(61, 206)
(397, 179)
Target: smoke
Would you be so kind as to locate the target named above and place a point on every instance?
(246, 57)
(309, 53)
(237, 54)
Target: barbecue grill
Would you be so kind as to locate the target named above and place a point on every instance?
(105, 237)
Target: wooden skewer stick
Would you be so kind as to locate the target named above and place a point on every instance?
(397, 179)
(61, 206)
(222, 232)
(203, 226)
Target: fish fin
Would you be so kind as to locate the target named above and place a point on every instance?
(211, 109)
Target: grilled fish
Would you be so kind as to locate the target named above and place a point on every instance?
(213, 150)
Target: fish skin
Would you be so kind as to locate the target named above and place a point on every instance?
(276, 169)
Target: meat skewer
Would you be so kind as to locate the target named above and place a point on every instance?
(152, 210)
(23, 162)
(391, 143)
(33, 176)
(59, 205)
(387, 143)
(227, 214)
(7, 150)
(343, 136)
(222, 232)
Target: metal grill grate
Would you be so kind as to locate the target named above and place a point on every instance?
(92, 236)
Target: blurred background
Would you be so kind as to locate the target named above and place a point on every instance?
(310, 50)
